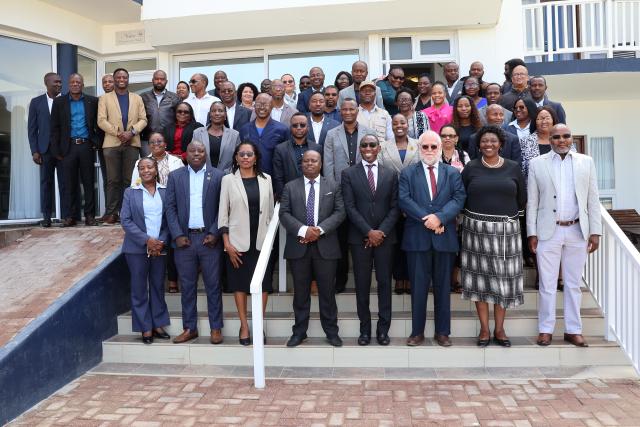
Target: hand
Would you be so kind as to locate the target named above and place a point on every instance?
(374, 238)
(432, 222)
(234, 255)
(210, 241)
(154, 246)
(594, 242)
(183, 242)
(37, 158)
(533, 244)
(312, 234)
(439, 230)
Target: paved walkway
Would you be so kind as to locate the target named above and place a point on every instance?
(42, 265)
(110, 400)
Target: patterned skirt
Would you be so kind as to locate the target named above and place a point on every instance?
(491, 259)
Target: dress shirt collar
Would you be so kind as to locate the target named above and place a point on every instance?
(138, 186)
(307, 180)
(321, 121)
(204, 167)
(79, 99)
(517, 126)
(435, 167)
(555, 155)
(163, 93)
(365, 164)
(373, 110)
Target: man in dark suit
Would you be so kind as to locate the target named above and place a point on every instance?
(74, 136)
(538, 89)
(370, 195)
(316, 76)
(193, 195)
(311, 209)
(319, 123)
(160, 105)
(431, 194)
(511, 149)
(237, 115)
(287, 157)
(39, 134)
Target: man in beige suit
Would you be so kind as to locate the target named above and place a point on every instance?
(122, 117)
(563, 225)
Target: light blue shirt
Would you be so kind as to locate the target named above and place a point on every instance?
(152, 206)
(196, 182)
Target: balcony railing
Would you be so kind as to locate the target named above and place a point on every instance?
(579, 29)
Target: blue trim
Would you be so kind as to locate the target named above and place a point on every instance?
(65, 341)
(606, 65)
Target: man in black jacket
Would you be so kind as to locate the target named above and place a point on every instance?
(160, 105)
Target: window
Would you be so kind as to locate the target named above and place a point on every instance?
(87, 67)
(298, 64)
(435, 47)
(131, 65)
(601, 149)
(400, 48)
(238, 70)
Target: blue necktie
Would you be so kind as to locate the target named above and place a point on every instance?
(311, 201)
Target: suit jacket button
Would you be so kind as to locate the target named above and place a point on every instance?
(554, 210)
(554, 197)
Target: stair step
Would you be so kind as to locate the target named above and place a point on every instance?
(315, 352)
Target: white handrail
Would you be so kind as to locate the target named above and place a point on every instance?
(612, 274)
(257, 320)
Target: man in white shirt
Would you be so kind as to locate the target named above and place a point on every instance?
(372, 116)
(237, 115)
(199, 99)
(319, 123)
(454, 84)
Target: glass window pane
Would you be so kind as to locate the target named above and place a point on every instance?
(132, 65)
(299, 64)
(20, 81)
(400, 48)
(238, 70)
(601, 149)
(87, 67)
(435, 47)
(139, 88)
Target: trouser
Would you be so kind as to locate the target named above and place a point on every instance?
(79, 159)
(172, 272)
(148, 306)
(342, 269)
(187, 262)
(50, 166)
(566, 249)
(400, 256)
(120, 162)
(103, 172)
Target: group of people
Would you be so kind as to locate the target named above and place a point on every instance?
(435, 189)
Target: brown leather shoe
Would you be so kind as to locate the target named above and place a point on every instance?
(109, 219)
(186, 335)
(216, 336)
(576, 339)
(69, 222)
(544, 339)
(415, 340)
(442, 340)
(90, 221)
(314, 288)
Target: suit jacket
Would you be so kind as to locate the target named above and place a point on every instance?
(39, 124)
(285, 164)
(336, 151)
(303, 99)
(187, 135)
(234, 211)
(241, 118)
(542, 196)
(61, 123)
(510, 150)
(327, 125)
(557, 107)
(367, 211)
(230, 140)
(132, 220)
(178, 201)
(389, 155)
(159, 116)
(415, 202)
(110, 118)
(285, 118)
(456, 92)
(293, 215)
(273, 134)
(350, 92)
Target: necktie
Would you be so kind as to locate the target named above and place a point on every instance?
(432, 178)
(311, 201)
(372, 183)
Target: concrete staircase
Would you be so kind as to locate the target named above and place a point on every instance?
(521, 326)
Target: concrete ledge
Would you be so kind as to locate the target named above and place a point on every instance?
(577, 66)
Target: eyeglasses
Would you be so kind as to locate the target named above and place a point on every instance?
(368, 144)
(396, 77)
(157, 142)
(287, 82)
(448, 136)
(247, 154)
(226, 91)
(262, 104)
(519, 74)
(193, 81)
(471, 85)
(429, 147)
(298, 125)
(520, 107)
(563, 136)
(182, 112)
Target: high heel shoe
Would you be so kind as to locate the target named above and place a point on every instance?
(502, 342)
(147, 339)
(243, 341)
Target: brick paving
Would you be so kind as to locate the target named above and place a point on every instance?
(42, 265)
(110, 400)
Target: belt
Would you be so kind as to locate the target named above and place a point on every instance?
(79, 141)
(197, 230)
(567, 223)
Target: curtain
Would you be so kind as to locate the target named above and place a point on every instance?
(601, 149)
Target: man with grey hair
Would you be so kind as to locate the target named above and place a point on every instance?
(199, 99)
(430, 238)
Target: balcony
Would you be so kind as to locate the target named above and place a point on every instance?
(581, 29)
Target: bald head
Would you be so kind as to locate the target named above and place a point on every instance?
(495, 114)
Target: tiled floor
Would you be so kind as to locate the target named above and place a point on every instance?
(148, 400)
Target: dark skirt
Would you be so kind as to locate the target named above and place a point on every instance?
(239, 279)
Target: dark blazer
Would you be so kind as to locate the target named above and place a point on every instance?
(327, 125)
(365, 211)
(38, 124)
(132, 220)
(457, 91)
(178, 201)
(285, 164)
(510, 150)
(61, 123)
(272, 135)
(187, 135)
(557, 107)
(241, 118)
(293, 214)
(160, 116)
(415, 202)
(303, 99)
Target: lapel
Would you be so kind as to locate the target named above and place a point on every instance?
(412, 151)
(226, 139)
(292, 155)
(116, 105)
(205, 185)
(237, 180)
(394, 155)
(343, 140)
(139, 207)
(162, 195)
(186, 188)
(303, 200)
(67, 107)
(548, 162)
(441, 181)
(324, 130)
(423, 180)
(262, 189)
(87, 112)
(324, 186)
(361, 172)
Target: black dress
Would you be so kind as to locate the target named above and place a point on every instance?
(239, 279)
(214, 148)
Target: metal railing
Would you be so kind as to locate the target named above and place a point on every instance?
(612, 274)
(574, 27)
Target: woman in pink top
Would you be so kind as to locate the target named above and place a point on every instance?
(440, 113)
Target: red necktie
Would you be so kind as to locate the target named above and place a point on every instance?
(372, 184)
(432, 178)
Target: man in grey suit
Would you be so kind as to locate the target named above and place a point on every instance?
(493, 94)
(160, 105)
(564, 226)
(359, 72)
(319, 123)
(454, 82)
(311, 209)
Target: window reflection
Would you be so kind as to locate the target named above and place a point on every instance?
(238, 70)
(298, 64)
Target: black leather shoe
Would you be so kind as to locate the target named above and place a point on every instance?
(161, 334)
(504, 343)
(383, 339)
(147, 339)
(46, 223)
(244, 341)
(483, 342)
(364, 339)
(335, 341)
(69, 222)
(296, 340)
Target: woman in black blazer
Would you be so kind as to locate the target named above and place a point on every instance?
(180, 133)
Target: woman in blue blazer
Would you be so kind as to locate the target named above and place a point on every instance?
(146, 233)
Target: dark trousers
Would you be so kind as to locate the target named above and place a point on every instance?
(342, 269)
(148, 307)
(400, 257)
(172, 272)
(79, 161)
(103, 172)
(323, 270)
(363, 261)
(187, 262)
(426, 269)
(50, 165)
(120, 162)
